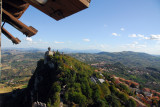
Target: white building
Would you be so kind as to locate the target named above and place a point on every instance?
(101, 80)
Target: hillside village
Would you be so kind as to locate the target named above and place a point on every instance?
(147, 77)
(143, 96)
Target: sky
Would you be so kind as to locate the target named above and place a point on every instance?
(107, 25)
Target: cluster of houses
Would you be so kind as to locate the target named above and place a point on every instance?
(148, 96)
(101, 67)
(144, 95)
(129, 83)
(100, 64)
(96, 80)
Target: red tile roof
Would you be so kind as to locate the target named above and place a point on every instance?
(146, 89)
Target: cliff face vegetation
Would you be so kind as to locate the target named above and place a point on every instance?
(69, 82)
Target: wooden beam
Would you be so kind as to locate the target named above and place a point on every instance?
(15, 7)
(10, 36)
(59, 9)
(28, 31)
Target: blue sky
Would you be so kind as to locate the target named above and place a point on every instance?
(107, 25)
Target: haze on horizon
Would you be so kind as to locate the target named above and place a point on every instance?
(107, 25)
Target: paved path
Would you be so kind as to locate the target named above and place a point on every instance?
(140, 104)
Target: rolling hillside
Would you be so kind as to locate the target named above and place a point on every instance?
(127, 58)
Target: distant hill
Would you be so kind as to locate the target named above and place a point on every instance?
(128, 58)
(65, 50)
(19, 63)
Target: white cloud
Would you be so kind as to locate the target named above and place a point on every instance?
(147, 38)
(132, 35)
(152, 36)
(115, 34)
(86, 40)
(140, 35)
(57, 42)
(122, 29)
(104, 46)
(155, 37)
(38, 42)
(28, 39)
(141, 46)
(134, 45)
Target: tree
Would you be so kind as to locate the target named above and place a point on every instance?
(100, 103)
(113, 89)
(124, 88)
(78, 98)
(131, 103)
(122, 96)
(96, 92)
(56, 99)
(113, 101)
(106, 91)
(56, 87)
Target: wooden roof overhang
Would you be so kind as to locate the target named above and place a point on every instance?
(57, 9)
(12, 10)
(28, 31)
